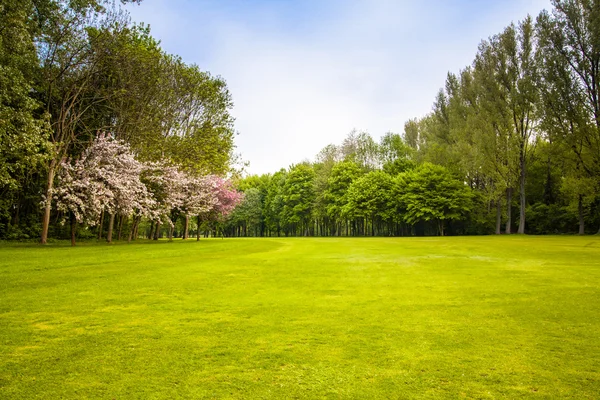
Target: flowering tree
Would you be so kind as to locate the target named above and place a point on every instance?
(199, 199)
(108, 178)
(105, 177)
(166, 185)
(226, 198)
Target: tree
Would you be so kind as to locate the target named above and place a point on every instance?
(507, 63)
(68, 68)
(569, 59)
(394, 154)
(105, 177)
(248, 213)
(360, 148)
(23, 125)
(274, 202)
(198, 198)
(371, 197)
(342, 176)
(431, 193)
(298, 198)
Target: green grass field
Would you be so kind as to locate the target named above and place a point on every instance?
(457, 317)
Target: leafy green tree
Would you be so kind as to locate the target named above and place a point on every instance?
(274, 202)
(23, 127)
(371, 197)
(395, 155)
(326, 160)
(569, 60)
(298, 198)
(342, 176)
(412, 135)
(69, 66)
(248, 214)
(431, 193)
(511, 73)
(360, 148)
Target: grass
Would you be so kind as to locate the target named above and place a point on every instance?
(458, 317)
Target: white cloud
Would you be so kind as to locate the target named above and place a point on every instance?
(366, 64)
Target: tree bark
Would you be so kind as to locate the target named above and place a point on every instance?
(48, 205)
(157, 231)
(100, 225)
(151, 234)
(131, 230)
(121, 218)
(581, 219)
(522, 203)
(136, 225)
(73, 229)
(498, 217)
(111, 225)
(508, 210)
(198, 230)
(186, 229)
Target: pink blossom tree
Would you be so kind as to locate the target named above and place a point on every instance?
(226, 198)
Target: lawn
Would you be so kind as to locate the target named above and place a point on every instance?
(456, 317)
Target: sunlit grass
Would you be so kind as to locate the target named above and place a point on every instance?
(474, 317)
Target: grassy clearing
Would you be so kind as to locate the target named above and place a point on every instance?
(472, 317)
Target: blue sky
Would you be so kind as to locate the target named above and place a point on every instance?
(303, 74)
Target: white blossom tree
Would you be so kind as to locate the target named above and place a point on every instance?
(105, 177)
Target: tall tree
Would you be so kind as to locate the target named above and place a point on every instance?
(513, 84)
(569, 58)
(69, 67)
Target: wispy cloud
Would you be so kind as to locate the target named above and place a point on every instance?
(303, 77)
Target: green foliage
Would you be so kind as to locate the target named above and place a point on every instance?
(342, 176)
(274, 201)
(248, 213)
(23, 127)
(298, 196)
(544, 219)
(523, 118)
(431, 193)
(371, 196)
(69, 69)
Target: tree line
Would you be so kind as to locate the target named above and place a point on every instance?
(96, 119)
(512, 145)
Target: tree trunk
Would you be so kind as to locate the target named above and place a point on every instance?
(498, 217)
(136, 225)
(186, 229)
(171, 227)
(121, 218)
(131, 230)
(100, 225)
(111, 224)
(581, 219)
(48, 205)
(508, 210)
(522, 204)
(157, 230)
(198, 230)
(73, 229)
(441, 224)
